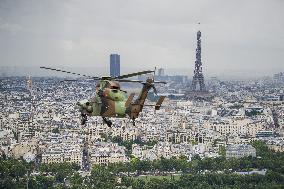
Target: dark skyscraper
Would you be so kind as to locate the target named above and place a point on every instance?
(114, 65)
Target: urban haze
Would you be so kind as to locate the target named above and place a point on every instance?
(140, 94)
(240, 38)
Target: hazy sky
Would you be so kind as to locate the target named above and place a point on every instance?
(238, 36)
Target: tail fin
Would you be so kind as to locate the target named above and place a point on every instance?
(136, 107)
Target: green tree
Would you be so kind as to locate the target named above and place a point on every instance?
(55, 130)
(222, 151)
(138, 184)
(45, 181)
(76, 180)
(102, 178)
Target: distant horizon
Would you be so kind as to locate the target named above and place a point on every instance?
(237, 39)
(104, 71)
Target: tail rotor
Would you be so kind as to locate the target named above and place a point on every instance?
(153, 82)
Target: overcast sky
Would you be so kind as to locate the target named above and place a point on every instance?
(239, 37)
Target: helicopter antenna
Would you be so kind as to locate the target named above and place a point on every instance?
(154, 74)
(154, 88)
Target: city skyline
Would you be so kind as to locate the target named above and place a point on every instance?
(104, 71)
(179, 110)
(238, 38)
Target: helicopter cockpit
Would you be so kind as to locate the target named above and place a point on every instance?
(110, 90)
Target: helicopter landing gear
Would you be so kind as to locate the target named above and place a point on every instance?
(107, 121)
(83, 119)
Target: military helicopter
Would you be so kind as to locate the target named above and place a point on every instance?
(111, 101)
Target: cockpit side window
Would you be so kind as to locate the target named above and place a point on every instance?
(114, 87)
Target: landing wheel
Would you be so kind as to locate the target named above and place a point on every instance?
(83, 119)
(107, 121)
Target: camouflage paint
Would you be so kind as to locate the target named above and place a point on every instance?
(136, 107)
(110, 102)
(120, 108)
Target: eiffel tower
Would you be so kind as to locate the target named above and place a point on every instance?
(198, 77)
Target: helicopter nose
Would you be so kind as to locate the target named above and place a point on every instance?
(78, 106)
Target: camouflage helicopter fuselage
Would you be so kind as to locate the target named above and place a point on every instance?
(111, 101)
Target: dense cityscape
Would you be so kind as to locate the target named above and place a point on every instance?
(141, 94)
(40, 126)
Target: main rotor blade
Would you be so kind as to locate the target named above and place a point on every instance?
(133, 74)
(75, 80)
(136, 81)
(128, 80)
(58, 70)
(163, 82)
(68, 80)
